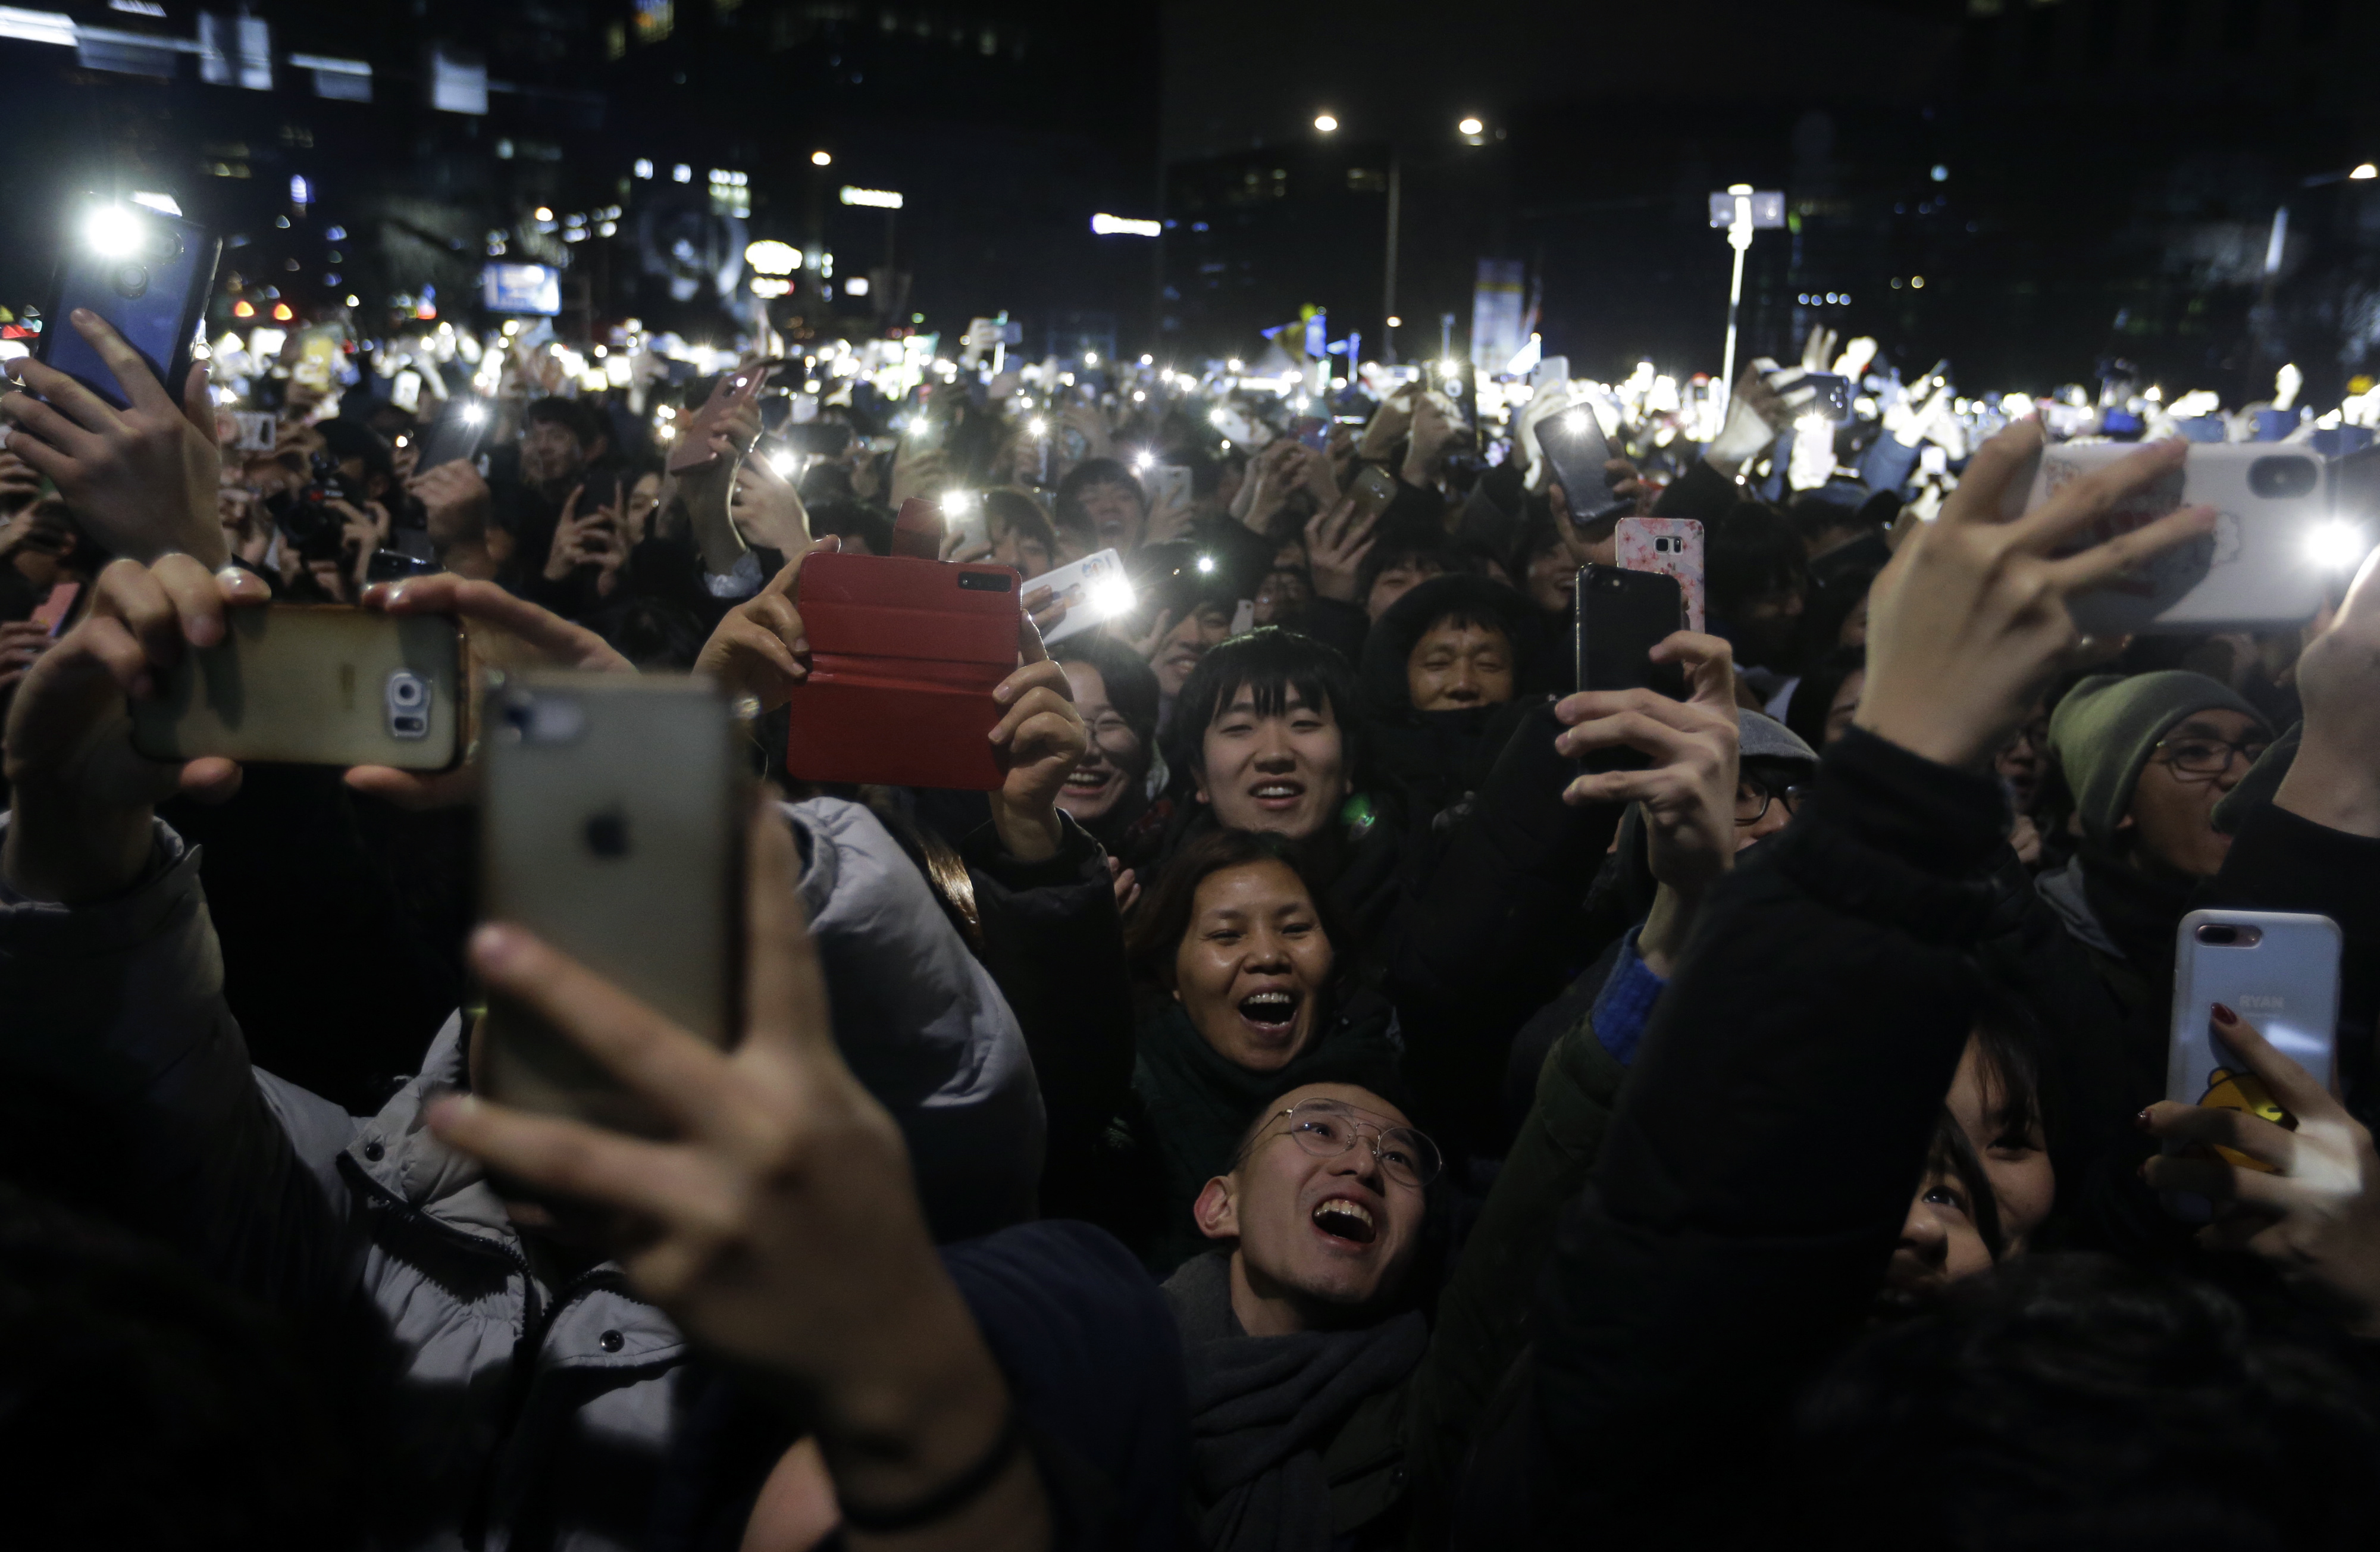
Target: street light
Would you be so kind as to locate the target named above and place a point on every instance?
(1471, 126)
(1325, 123)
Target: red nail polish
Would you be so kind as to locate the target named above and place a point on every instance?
(2224, 1015)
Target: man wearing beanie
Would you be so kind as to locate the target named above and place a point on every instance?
(2147, 757)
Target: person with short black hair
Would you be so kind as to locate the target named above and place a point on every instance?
(1102, 505)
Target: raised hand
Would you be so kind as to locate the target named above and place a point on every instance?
(1969, 621)
(1040, 737)
(82, 798)
(142, 479)
(2308, 1198)
(768, 509)
(1687, 794)
(1335, 547)
(454, 495)
(757, 649)
(503, 634)
(2335, 779)
(777, 1225)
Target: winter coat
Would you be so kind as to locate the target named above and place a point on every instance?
(510, 1405)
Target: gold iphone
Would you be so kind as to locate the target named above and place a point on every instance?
(315, 685)
(612, 826)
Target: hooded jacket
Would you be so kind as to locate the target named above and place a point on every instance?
(509, 1406)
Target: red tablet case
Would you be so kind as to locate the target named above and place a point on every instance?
(905, 655)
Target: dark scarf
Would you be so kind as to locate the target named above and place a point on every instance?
(1198, 1103)
(2137, 909)
(1264, 1409)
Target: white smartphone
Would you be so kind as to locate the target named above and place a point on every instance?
(1094, 590)
(964, 519)
(2260, 569)
(2278, 972)
(1169, 485)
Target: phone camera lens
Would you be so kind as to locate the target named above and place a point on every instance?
(2278, 479)
(405, 692)
(132, 281)
(2218, 936)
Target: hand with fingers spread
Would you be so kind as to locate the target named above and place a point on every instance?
(1687, 794)
(2306, 1193)
(82, 799)
(1145, 645)
(501, 633)
(758, 649)
(1336, 544)
(1969, 621)
(142, 479)
(1315, 476)
(20, 483)
(1040, 738)
(777, 1225)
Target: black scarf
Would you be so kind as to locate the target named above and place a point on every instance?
(1264, 1409)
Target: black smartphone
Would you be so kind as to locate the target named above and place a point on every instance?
(148, 275)
(1834, 400)
(818, 439)
(1618, 618)
(453, 436)
(1575, 451)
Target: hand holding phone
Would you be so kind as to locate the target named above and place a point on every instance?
(84, 796)
(1969, 621)
(703, 436)
(142, 478)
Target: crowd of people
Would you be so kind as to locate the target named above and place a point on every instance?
(1348, 1087)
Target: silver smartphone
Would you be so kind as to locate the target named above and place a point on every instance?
(2263, 567)
(612, 826)
(2279, 971)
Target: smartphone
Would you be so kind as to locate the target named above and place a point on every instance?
(2277, 971)
(1311, 431)
(2258, 570)
(1575, 451)
(691, 447)
(453, 436)
(904, 658)
(1373, 488)
(1673, 546)
(1618, 617)
(1169, 484)
(51, 615)
(258, 431)
(1244, 617)
(315, 685)
(1094, 590)
(396, 565)
(612, 817)
(966, 519)
(148, 275)
(1834, 400)
(818, 439)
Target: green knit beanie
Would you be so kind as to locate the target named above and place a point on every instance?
(2105, 730)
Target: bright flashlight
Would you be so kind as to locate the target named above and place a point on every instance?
(1112, 597)
(782, 463)
(958, 501)
(113, 232)
(473, 413)
(1146, 460)
(1575, 422)
(1038, 427)
(2336, 545)
(1206, 562)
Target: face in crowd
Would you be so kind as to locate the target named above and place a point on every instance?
(2171, 819)
(1325, 1204)
(1113, 761)
(1119, 515)
(551, 453)
(1204, 628)
(1027, 553)
(644, 500)
(1988, 1185)
(1396, 579)
(1459, 663)
(1253, 964)
(1285, 772)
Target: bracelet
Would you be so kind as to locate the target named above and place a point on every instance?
(947, 1500)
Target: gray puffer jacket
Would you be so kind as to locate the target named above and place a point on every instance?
(513, 1405)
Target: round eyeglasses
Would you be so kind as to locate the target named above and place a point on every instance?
(1752, 801)
(1326, 1128)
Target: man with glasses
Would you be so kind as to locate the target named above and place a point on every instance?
(2147, 757)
